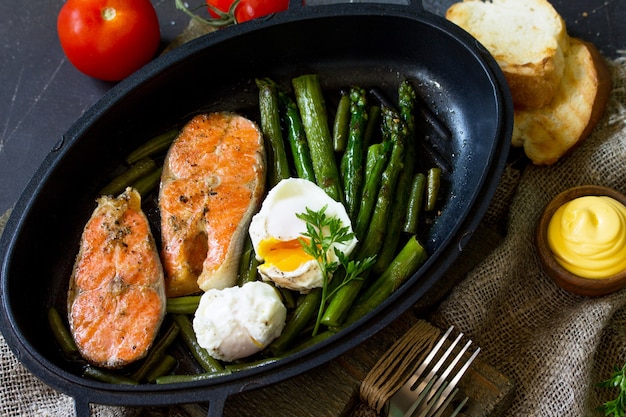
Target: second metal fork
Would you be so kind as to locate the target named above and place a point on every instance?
(427, 393)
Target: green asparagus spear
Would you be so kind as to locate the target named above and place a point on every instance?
(352, 161)
(406, 104)
(270, 125)
(375, 162)
(297, 138)
(403, 266)
(312, 106)
(373, 125)
(397, 135)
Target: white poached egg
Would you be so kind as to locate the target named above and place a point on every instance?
(237, 322)
(275, 230)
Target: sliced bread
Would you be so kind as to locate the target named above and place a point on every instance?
(528, 40)
(552, 131)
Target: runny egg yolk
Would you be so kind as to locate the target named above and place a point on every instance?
(286, 255)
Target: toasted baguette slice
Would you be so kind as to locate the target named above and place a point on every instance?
(528, 40)
(552, 131)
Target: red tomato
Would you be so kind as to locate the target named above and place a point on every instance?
(108, 39)
(249, 9)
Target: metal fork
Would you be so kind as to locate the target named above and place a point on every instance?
(429, 395)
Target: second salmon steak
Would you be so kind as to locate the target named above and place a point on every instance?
(212, 183)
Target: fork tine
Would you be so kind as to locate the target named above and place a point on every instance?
(442, 407)
(440, 362)
(444, 391)
(450, 367)
(458, 408)
(429, 407)
(427, 393)
(460, 373)
(429, 358)
(402, 397)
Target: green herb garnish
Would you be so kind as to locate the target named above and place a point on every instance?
(324, 232)
(616, 407)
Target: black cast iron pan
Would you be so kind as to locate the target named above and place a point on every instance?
(374, 45)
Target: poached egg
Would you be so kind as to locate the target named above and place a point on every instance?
(275, 230)
(237, 322)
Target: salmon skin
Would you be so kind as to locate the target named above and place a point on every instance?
(116, 296)
(212, 183)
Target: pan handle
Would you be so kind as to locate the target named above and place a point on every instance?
(216, 406)
(82, 408)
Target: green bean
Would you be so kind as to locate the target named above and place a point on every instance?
(107, 376)
(403, 266)
(310, 342)
(164, 367)
(342, 123)
(244, 262)
(343, 299)
(287, 297)
(352, 161)
(154, 146)
(296, 137)
(129, 176)
(433, 182)
(301, 316)
(156, 353)
(248, 264)
(62, 334)
(375, 162)
(178, 379)
(252, 270)
(201, 355)
(187, 304)
(416, 200)
(238, 367)
(270, 125)
(312, 106)
(148, 182)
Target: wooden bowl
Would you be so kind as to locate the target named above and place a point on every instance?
(562, 277)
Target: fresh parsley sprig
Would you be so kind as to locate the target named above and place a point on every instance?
(616, 407)
(323, 233)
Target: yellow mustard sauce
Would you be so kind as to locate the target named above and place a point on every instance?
(588, 236)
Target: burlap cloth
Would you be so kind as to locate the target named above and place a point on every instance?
(555, 345)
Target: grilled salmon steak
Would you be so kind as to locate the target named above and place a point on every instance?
(116, 297)
(212, 183)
